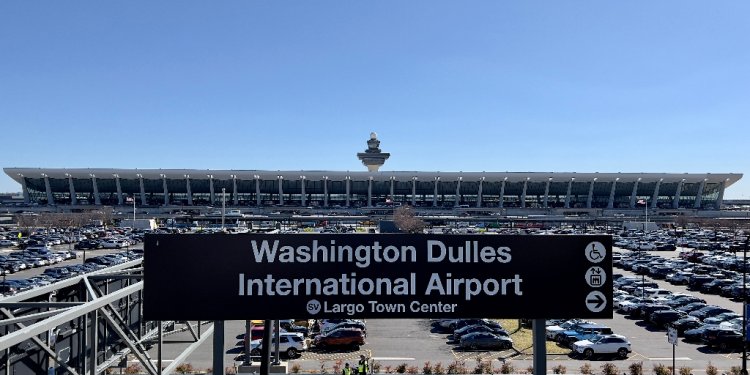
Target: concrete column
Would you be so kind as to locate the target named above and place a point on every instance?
(655, 195)
(73, 199)
(611, 202)
(120, 199)
(590, 197)
(143, 190)
(304, 200)
(212, 193)
(325, 192)
(414, 191)
(546, 193)
(434, 196)
(281, 190)
(97, 200)
(48, 189)
(502, 194)
(567, 194)
(348, 190)
(457, 200)
(720, 198)
(189, 191)
(523, 193)
(257, 192)
(479, 195)
(235, 196)
(634, 194)
(699, 195)
(166, 191)
(676, 200)
(369, 192)
(25, 189)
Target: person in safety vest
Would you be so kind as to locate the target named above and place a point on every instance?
(347, 370)
(362, 366)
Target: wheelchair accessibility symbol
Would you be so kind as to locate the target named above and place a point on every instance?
(595, 252)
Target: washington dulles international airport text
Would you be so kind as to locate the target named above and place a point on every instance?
(364, 256)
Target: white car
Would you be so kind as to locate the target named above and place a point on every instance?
(605, 344)
(291, 343)
(112, 244)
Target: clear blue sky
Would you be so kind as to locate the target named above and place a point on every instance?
(583, 86)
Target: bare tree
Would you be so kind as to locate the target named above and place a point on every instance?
(27, 223)
(407, 221)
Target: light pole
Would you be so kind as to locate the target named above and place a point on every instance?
(223, 206)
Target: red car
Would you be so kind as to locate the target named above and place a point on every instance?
(350, 337)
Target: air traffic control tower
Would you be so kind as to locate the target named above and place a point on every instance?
(373, 157)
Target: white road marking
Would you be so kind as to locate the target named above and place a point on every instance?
(666, 358)
(393, 358)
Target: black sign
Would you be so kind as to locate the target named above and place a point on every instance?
(237, 277)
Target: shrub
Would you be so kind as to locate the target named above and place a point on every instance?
(438, 369)
(400, 369)
(507, 368)
(636, 368)
(295, 369)
(133, 369)
(478, 366)
(376, 367)
(735, 370)
(184, 368)
(685, 371)
(337, 366)
(586, 369)
(457, 367)
(530, 370)
(660, 369)
(609, 369)
(388, 369)
(427, 368)
(230, 370)
(323, 369)
(711, 369)
(559, 369)
(412, 370)
(487, 367)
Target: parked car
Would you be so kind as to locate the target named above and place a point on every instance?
(685, 324)
(485, 340)
(346, 337)
(457, 334)
(290, 343)
(603, 344)
(723, 338)
(289, 326)
(87, 245)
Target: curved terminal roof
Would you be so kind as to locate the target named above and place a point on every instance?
(18, 173)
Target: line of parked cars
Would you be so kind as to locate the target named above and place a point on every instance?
(587, 339)
(689, 315)
(474, 334)
(53, 274)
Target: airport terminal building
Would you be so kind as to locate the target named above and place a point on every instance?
(332, 189)
(258, 188)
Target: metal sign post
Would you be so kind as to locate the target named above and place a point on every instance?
(672, 338)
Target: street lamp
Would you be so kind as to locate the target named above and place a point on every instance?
(223, 206)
